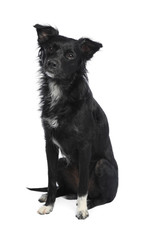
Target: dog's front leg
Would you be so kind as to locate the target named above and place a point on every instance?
(52, 158)
(84, 160)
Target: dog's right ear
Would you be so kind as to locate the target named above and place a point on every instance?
(45, 32)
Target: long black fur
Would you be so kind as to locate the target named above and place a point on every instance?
(73, 122)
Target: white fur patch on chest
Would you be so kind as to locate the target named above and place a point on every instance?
(62, 153)
(55, 93)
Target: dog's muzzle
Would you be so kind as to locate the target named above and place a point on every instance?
(51, 68)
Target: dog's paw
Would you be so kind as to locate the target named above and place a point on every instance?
(82, 214)
(43, 198)
(45, 209)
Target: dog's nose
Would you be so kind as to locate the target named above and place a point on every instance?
(52, 64)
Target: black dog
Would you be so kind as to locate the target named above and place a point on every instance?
(74, 123)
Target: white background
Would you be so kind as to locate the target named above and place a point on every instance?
(120, 77)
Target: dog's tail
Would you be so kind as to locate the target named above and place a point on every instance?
(45, 189)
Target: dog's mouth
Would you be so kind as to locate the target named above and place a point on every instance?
(53, 74)
(50, 74)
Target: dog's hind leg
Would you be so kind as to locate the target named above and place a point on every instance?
(107, 179)
(60, 192)
(104, 183)
(43, 198)
(91, 203)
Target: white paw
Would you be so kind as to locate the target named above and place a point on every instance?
(82, 211)
(45, 209)
(82, 214)
(43, 198)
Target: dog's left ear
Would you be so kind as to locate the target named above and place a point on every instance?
(88, 47)
(45, 32)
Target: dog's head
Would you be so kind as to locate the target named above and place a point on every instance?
(60, 57)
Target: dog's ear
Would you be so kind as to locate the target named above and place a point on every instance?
(88, 47)
(45, 32)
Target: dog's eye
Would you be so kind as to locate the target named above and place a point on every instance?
(69, 55)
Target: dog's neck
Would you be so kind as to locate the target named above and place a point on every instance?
(57, 95)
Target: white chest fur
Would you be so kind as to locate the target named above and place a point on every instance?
(55, 93)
